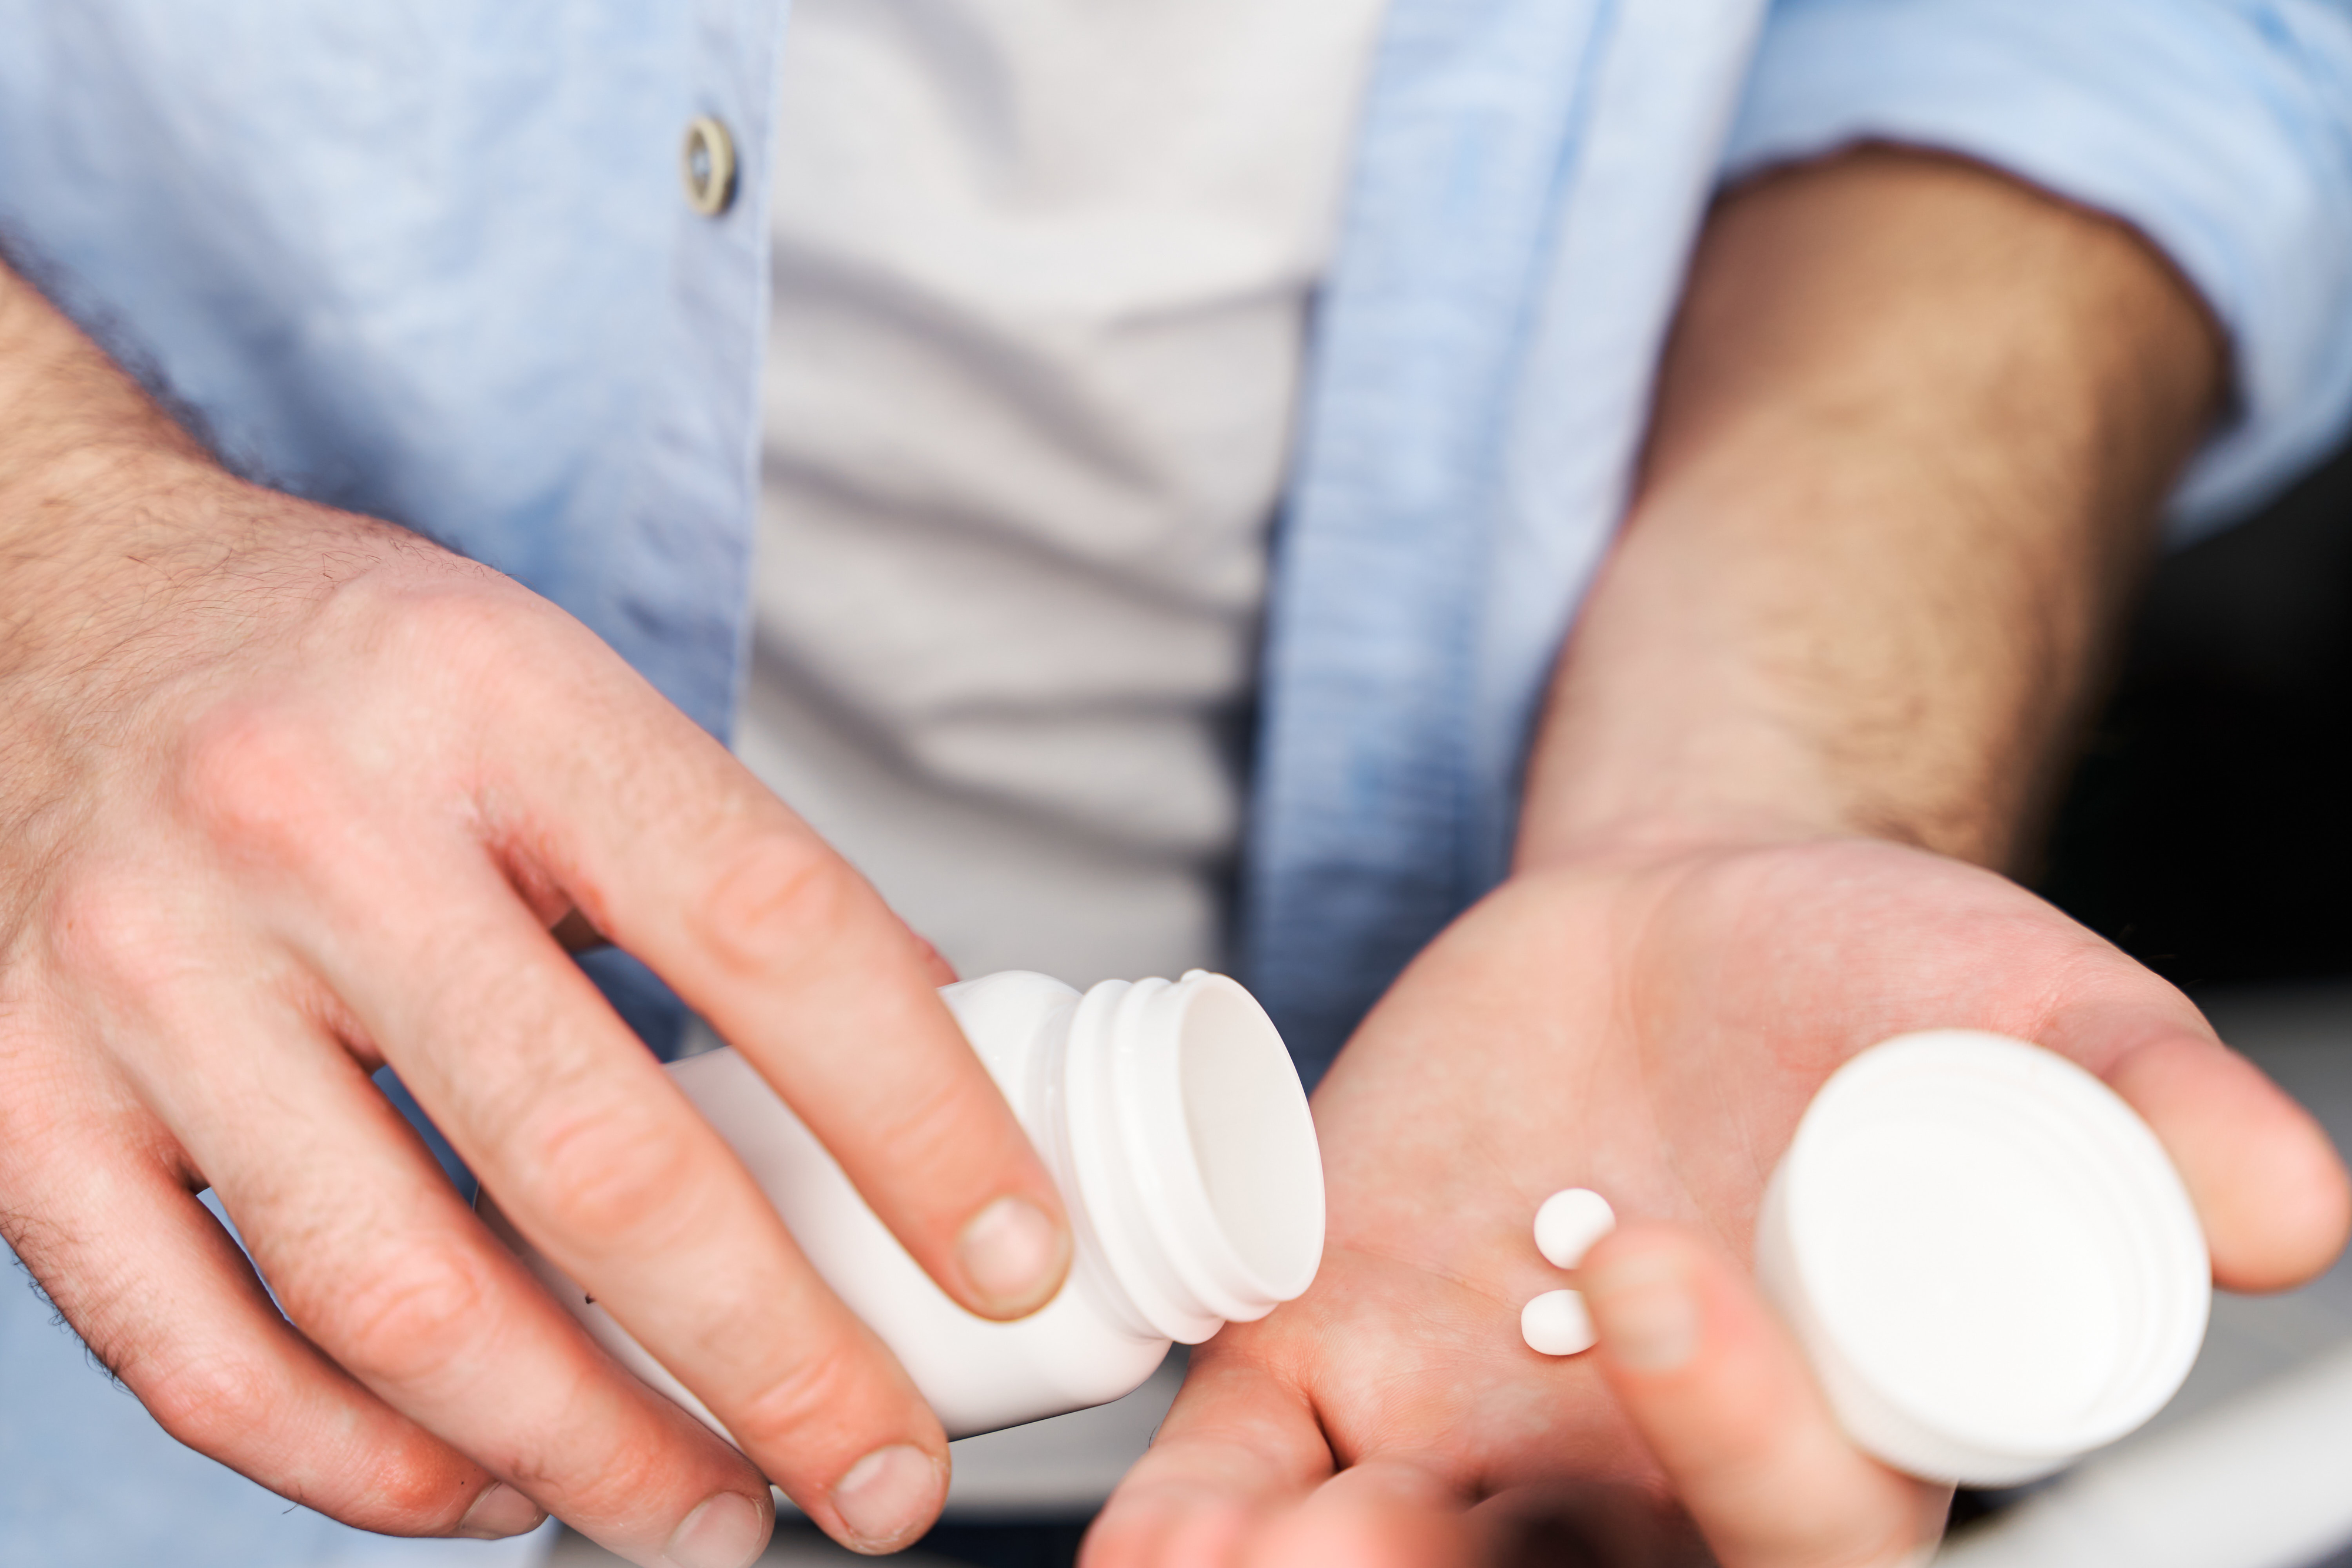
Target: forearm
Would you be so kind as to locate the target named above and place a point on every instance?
(1911, 434)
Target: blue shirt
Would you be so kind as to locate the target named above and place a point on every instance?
(432, 262)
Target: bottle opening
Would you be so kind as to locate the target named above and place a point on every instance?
(1252, 1137)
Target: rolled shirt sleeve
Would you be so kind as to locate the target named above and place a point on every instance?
(2221, 129)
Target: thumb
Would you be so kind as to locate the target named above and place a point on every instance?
(2269, 1186)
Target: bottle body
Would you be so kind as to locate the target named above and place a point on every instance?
(1172, 1124)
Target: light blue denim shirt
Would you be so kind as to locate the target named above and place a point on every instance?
(432, 262)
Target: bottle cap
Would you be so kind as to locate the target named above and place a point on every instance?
(1988, 1258)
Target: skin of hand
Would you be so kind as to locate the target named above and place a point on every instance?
(288, 794)
(1911, 431)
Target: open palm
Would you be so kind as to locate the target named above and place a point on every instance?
(1652, 1026)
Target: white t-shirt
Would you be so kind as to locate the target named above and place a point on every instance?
(1042, 269)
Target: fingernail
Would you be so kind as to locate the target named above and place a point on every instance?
(890, 1496)
(1012, 1253)
(497, 1512)
(1645, 1312)
(727, 1530)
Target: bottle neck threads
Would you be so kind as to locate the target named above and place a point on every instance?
(1193, 1151)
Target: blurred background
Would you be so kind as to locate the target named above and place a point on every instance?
(2207, 832)
(2205, 829)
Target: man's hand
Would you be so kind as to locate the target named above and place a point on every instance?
(1716, 1385)
(1910, 437)
(1652, 1026)
(289, 794)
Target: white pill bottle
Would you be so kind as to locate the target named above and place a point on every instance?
(1172, 1121)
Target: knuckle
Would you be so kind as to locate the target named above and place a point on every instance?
(819, 1390)
(778, 896)
(471, 625)
(414, 1486)
(109, 924)
(413, 1318)
(236, 1409)
(608, 1176)
(212, 1403)
(512, 654)
(252, 774)
(932, 1123)
(622, 1464)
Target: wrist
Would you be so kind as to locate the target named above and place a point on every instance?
(1667, 832)
(130, 564)
(77, 432)
(1667, 745)
(1731, 778)
(56, 495)
(92, 525)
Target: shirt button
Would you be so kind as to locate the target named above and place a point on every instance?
(707, 164)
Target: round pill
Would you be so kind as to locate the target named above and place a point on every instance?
(1569, 1222)
(1556, 1324)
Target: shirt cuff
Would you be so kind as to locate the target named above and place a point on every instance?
(2221, 129)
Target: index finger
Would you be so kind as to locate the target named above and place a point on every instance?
(669, 846)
